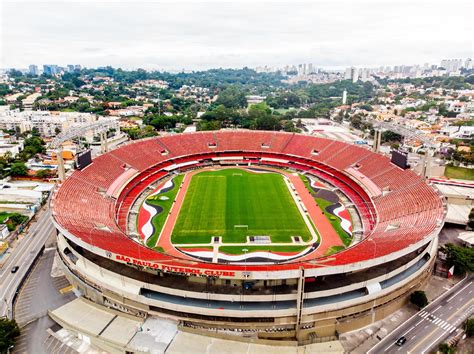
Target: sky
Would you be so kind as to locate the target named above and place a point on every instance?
(195, 35)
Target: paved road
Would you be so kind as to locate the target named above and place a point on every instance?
(434, 324)
(25, 251)
(40, 293)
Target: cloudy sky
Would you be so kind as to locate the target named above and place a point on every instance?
(190, 35)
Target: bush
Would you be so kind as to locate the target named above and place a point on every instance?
(9, 330)
(419, 299)
(43, 173)
(19, 169)
(469, 327)
(445, 348)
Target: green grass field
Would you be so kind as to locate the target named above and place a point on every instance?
(459, 173)
(216, 201)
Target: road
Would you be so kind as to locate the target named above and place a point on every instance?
(40, 293)
(432, 325)
(24, 253)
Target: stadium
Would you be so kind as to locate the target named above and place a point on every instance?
(264, 235)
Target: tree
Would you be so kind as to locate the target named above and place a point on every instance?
(469, 327)
(19, 169)
(45, 173)
(9, 330)
(470, 223)
(445, 348)
(462, 258)
(391, 136)
(419, 298)
(232, 97)
(267, 123)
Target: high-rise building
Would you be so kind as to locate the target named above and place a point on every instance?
(33, 69)
(70, 68)
(351, 74)
(451, 64)
(50, 69)
(468, 63)
(348, 74)
(364, 76)
(344, 97)
(355, 74)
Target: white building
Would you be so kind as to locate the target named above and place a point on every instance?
(29, 101)
(344, 97)
(47, 123)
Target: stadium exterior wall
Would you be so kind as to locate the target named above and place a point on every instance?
(98, 285)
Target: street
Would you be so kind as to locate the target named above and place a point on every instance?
(24, 253)
(434, 324)
(40, 293)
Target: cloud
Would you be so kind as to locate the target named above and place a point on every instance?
(198, 35)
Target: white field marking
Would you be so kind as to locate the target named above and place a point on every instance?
(147, 228)
(237, 258)
(345, 224)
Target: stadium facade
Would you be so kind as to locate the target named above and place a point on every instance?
(398, 218)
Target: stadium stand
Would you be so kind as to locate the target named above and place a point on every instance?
(406, 212)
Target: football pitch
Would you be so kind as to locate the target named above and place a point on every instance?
(234, 204)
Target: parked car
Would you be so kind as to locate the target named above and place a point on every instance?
(14, 269)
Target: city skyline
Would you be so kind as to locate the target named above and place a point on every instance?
(175, 36)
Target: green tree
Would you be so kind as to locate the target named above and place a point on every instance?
(267, 122)
(19, 169)
(419, 298)
(469, 327)
(212, 125)
(232, 97)
(462, 258)
(470, 222)
(9, 330)
(45, 173)
(445, 348)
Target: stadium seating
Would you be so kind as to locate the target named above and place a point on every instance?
(406, 212)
